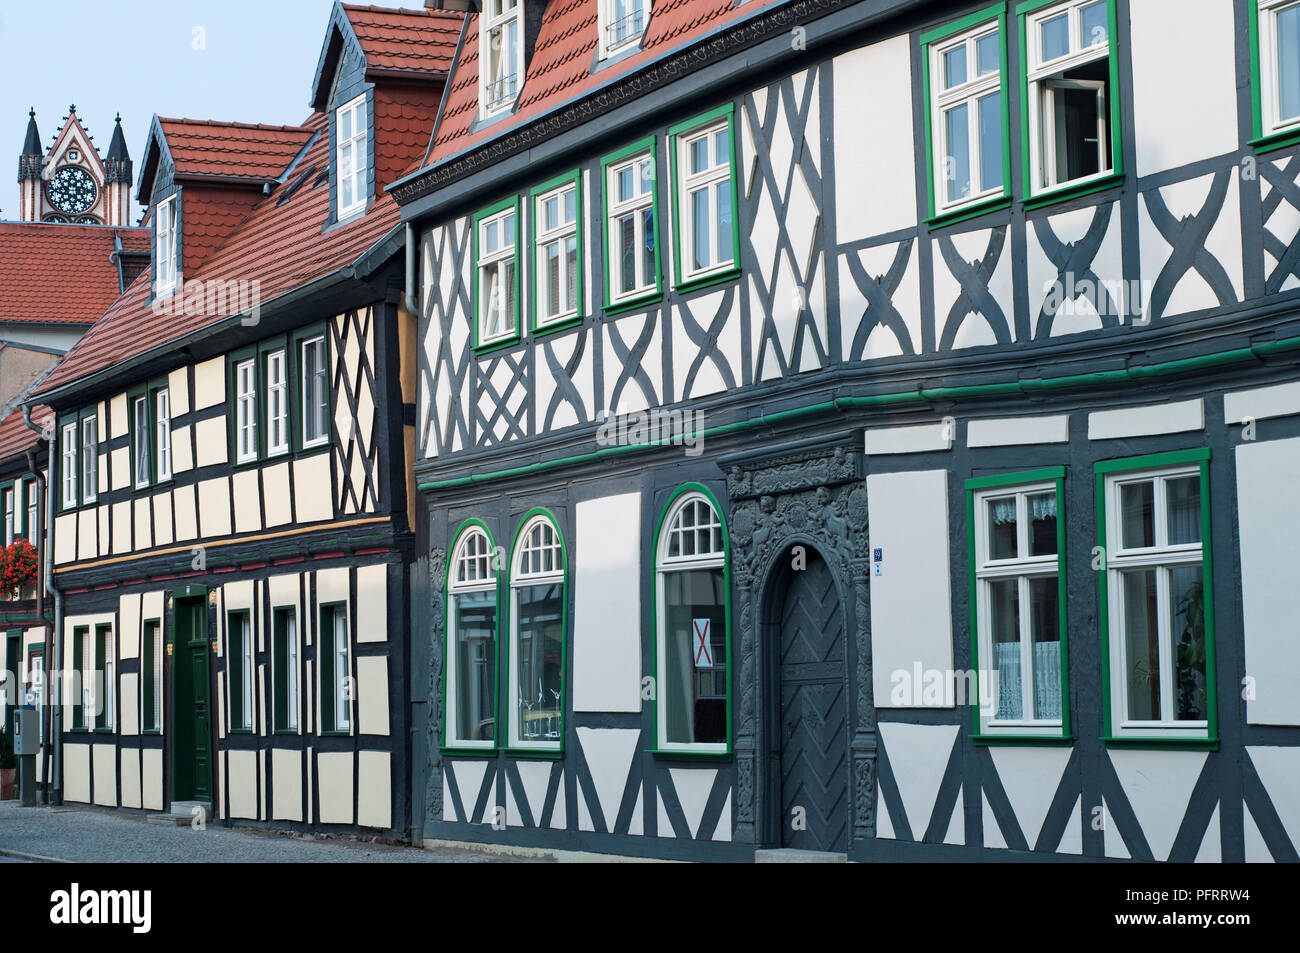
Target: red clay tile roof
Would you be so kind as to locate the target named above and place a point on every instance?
(280, 245)
(560, 69)
(16, 437)
(408, 41)
(60, 274)
(243, 150)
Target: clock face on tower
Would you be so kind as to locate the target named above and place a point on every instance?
(72, 190)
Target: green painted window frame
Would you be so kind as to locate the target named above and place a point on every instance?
(265, 350)
(280, 671)
(1008, 481)
(509, 340)
(1070, 190)
(235, 673)
(457, 747)
(233, 362)
(511, 746)
(104, 721)
(80, 721)
(66, 421)
(720, 274)
(325, 656)
(1262, 141)
(537, 326)
(1156, 461)
(297, 423)
(151, 708)
(991, 203)
(649, 145)
(693, 750)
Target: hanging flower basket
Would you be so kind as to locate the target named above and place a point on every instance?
(17, 566)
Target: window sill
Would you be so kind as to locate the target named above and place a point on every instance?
(1275, 140)
(563, 324)
(708, 280)
(638, 303)
(469, 752)
(498, 345)
(692, 755)
(1066, 192)
(1044, 740)
(334, 733)
(239, 731)
(966, 212)
(549, 754)
(152, 732)
(104, 731)
(311, 449)
(286, 732)
(1192, 744)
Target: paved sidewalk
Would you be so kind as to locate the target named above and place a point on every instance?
(89, 835)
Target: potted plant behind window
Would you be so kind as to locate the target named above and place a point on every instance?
(8, 768)
(17, 567)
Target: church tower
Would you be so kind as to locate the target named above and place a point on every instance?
(70, 182)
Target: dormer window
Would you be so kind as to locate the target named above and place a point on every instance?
(352, 160)
(622, 22)
(501, 53)
(166, 259)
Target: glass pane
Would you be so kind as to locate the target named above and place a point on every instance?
(627, 253)
(1041, 508)
(954, 67)
(508, 229)
(1187, 625)
(695, 644)
(721, 146)
(699, 153)
(1043, 625)
(539, 661)
(1141, 644)
(571, 269)
(551, 213)
(987, 54)
(990, 131)
(345, 124)
(1288, 62)
(625, 182)
(551, 254)
(1055, 35)
(1002, 528)
(647, 180)
(700, 229)
(1004, 613)
(476, 623)
(647, 246)
(1137, 515)
(726, 243)
(1093, 26)
(491, 237)
(957, 155)
(508, 290)
(1183, 509)
(570, 205)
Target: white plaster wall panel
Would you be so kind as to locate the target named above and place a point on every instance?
(1153, 419)
(956, 832)
(911, 605)
(1261, 403)
(130, 758)
(1018, 431)
(238, 595)
(1030, 777)
(261, 788)
(535, 777)
(284, 590)
(104, 760)
(65, 538)
(875, 190)
(1211, 849)
(884, 824)
(1159, 786)
(334, 771)
(1268, 497)
(993, 838)
(241, 777)
(664, 825)
(120, 468)
(312, 490)
(162, 518)
(275, 491)
(696, 370)
(609, 753)
(210, 442)
(214, 507)
(374, 793)
(152, 605)
(128, 687)
(448, 806)
(248, 501)
(974, 328)
(1160, 29)
(76, 771)
(209, 383)
(332, 585)
(1072, 836)
(1279, 771)
(101, 471)
(102, 535)
(286, 785)
(693, 787)
(372, 694)
(1185, 200)
(187, 520)
(117, 423)
(1077, 313)
(562, 348)
(182, 450)
(128, 628)
(372, 603)
(918, 756)
(178, 391)
(1283, 222)
(87, 526)
(607, 604)
(921, 438)
(151, 773)
(469, 781)
(1257, 851)
(879, 264)
(501, 392)
(636, 823)
(142, 511)
(723, 831)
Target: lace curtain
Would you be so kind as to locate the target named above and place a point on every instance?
(1047, 683)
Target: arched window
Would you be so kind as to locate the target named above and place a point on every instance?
(537, 635)
(693, 710)
(470, 715)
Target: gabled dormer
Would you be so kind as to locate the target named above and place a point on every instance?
(507, 36)
(621, 25)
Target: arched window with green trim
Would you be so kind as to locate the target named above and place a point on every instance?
(538, 573)
(471, 665)
(692, 629)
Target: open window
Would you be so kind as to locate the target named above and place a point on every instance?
(166, 257)
(622, 23)
(501, 55)
(470, 716)
(537, 636)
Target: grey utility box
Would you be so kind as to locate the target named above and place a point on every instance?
(27, 732)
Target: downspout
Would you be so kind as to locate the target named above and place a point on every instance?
(408, 298)
(53, 667)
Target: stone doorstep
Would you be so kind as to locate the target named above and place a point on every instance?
(182, 814)
(789, 855)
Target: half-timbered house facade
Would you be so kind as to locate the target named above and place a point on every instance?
(862, 426)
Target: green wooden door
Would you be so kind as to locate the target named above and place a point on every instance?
(192, 703)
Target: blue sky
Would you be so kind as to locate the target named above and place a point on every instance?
(243, 60)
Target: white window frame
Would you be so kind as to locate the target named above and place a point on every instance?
(608, 20)
(33, 510)
(522, 575)
(162, 399)
(665, 564)
(277, 403)
(109, 683)
(357, 142)
(11, 511)
(1043, 80)
(157, 677)
(70, 474)
(167, 271)
(140, 449)
(246, 411)
(969, 94)
(37, 682)
(1021, 568)
(1161, 557)
(89, 477)
(491, 274)
(635, 206)
(497, 93)
(559, 235)
(711, 179)
(309, 391)
(470, 573)
(291, 666)
(1270, 92)
(342, 669)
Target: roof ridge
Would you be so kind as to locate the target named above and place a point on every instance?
(238, 125)
(407, 11)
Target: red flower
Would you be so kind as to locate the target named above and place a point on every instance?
(17, 565)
